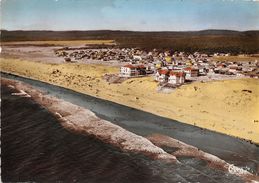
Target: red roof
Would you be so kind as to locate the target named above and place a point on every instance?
(178, 74)
(141, 66)
(190, 69)
(130, 66)
(163, 72)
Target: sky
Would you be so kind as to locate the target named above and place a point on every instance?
(137, 15)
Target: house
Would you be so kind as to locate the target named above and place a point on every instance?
(162, 75)
(137, 58)
(141, 70)
(202, 70)
(168, 59)
(233, 66)
(232, 72)
(223, 70)
(176, 77)
(232, 69)
(157, 75)
(158, 64)
(191, 72)
(128, 70)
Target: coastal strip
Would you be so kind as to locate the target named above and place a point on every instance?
(83, 121)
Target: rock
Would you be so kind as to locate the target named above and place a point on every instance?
(248, 91)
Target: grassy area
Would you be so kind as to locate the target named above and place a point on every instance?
(209, 41)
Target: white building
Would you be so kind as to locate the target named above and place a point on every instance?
(137, 58)
(128, 70)
(162, 75)
(176, 78)
(191, 72)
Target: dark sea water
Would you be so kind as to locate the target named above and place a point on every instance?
(36, 148)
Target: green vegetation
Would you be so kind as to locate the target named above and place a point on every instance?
(209, 41)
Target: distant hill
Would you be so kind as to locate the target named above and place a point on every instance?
(206, 40)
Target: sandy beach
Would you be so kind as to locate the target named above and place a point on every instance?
(230, 107)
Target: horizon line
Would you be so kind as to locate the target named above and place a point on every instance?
(121, 30)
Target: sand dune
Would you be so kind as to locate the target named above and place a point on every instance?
(230, 107)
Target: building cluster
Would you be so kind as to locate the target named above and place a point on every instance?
(178, 67)
(107, 54)
(167, 66)
(172, 74)
(237, 68)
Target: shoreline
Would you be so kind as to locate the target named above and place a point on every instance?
(17, 75)
(232, 112)
(80, 120)
(83, 121)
